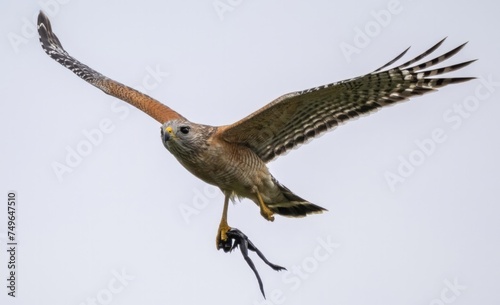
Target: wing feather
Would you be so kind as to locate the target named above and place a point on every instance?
(52, 46)
(298, 117)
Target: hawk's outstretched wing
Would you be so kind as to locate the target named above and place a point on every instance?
(52, 46)
(297, 117)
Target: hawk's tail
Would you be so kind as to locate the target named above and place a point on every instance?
(294, 206)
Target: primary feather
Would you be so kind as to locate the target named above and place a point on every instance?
(297, 117)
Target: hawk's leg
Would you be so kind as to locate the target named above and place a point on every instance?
(264, 209)
(223, 226)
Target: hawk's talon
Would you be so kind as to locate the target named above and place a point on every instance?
(265, 211)
(245, 244)
(222, 238)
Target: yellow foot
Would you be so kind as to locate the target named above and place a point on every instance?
(221, 234)
(264, 209)
(266, 212)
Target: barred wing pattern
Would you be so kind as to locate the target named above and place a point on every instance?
(52, 46)
(297, 117)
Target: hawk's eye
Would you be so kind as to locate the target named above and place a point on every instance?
(185, 129)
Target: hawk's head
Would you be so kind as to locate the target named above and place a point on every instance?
(183, 138)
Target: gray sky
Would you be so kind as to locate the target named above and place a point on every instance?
(124, 223)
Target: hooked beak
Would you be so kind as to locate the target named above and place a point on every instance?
(168, 134)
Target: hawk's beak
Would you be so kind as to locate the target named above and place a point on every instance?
(168, 134)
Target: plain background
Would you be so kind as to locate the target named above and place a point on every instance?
(120, 209)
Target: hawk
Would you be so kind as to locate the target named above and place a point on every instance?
(234, 157)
